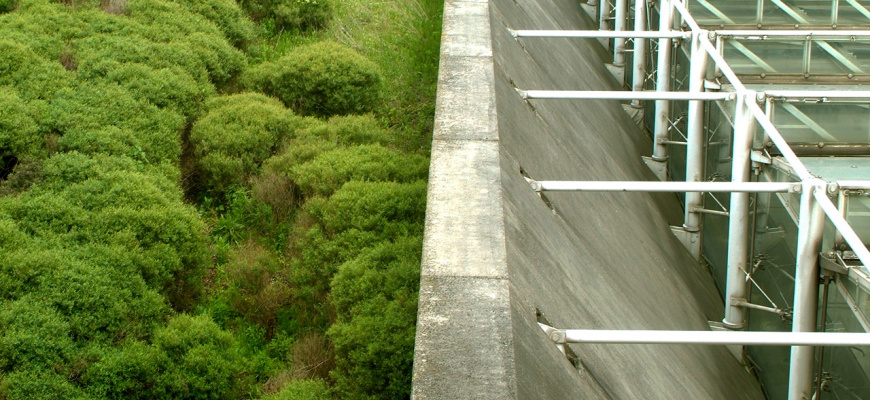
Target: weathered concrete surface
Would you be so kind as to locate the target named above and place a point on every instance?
(495, 252)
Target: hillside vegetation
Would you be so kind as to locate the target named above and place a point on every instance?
(205, 199)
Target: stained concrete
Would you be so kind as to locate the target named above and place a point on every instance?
(496, 254)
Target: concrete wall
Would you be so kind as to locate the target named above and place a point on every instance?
(495, 252)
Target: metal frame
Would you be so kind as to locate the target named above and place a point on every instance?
(705, 47)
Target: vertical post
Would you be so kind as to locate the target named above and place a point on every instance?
(835, 12)
(696, 136)
(738, 220)
(663, 83)
(619, 23)
(839, 241)
(759, 13)
(638, 76)
(811, 225)
(604, 15)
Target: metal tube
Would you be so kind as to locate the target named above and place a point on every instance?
(854, 185)
(638, 75)
(664, 186)
(555, 33)
(710, 337)
(695, 134)
(618, 26)
(841, 205)
(738, 222)
(811, 225)
(817, 94)
(801, 34)
(823, 318)
(663, 83)
(623, 95)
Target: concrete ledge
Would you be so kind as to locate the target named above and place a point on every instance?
(464, 348)
(464, 223)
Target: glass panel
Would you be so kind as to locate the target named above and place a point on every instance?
(765, 56)
(844, 369)
(840, 57)
(716, 12)
(858, 215)
(822, 122)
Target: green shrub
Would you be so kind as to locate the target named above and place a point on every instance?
(390, 270)
(129, 126)
(302, 14)
(132, 371)
(39, 384)
(205, 362)
(322, 79)
(7, 5)
(374, 351)
(32, 334)
(171, 88)
(189, 358)
(227, 15)
(33, 76)
(375, 299)
(308, 389)
(328, 171)
(19, 132)
(291, 14)
(236, 135)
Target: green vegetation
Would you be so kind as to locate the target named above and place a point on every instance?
(205, 199)
(322, 79)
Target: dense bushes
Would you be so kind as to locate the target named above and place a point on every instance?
(291, 14)
(302, 243)
(236, 135)
(321, 79)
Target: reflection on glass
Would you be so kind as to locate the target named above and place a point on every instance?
(822, 122)
(765, 56)
(779, 12)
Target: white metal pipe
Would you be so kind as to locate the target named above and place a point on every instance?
(811, 225)
(663, 83)
(738, 221)
(695, 134)
(854, 185)
(638, 75)
(803, 34)
(624, 95)
(817, 94)
(845, 229)
(664, 186)
(618, 26)
(712, 337)
(531, 33)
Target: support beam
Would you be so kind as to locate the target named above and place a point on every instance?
(738, 221)
(663, 84)
(591, 336)
(696, 138)
(811, 226)
(532, 33)
(619, 23)
(638, 72)
(623, 95)
(653, 186)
